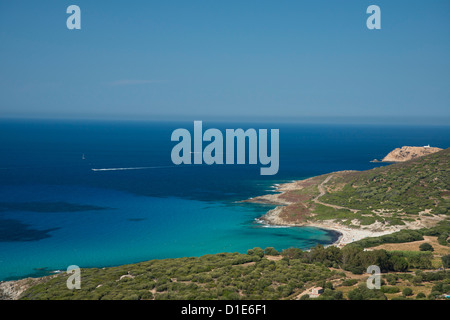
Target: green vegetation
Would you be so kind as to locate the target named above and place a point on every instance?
(439, 289)
(442, 228)
(426, 247)
(352, 259)
(446, 261)
(271, 252)
(254, 275)
(389, 289)
(221, 276)
(420, 295)
(391, 195)
(327, 213)
(363, 293)
(409, 187)
(349, 282)
(416, 260)
(407, 292)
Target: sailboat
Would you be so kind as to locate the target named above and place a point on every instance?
(83, 157)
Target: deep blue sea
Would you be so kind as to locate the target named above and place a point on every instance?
(55, 211)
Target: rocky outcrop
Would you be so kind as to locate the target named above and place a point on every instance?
(12, 290)
(408, 153)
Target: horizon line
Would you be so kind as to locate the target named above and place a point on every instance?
(354, 120)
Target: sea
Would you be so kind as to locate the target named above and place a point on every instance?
(106, 193)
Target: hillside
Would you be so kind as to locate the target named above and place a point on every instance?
(391, 210)
(413, 194)
(264, 274)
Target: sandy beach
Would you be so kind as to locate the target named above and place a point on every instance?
(348, 235)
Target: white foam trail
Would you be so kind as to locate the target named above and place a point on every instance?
(275, 227)
(132, 168)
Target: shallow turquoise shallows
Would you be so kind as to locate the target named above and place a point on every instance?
(56, 211)
(138, 228)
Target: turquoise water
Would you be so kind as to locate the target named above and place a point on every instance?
(132, 228)
(55, 211)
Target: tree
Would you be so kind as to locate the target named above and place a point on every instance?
(446, 261)
(391, 279)
(379, 258)
(270, 251)
(256, 252)
(417, 280)
(426, 247)
(407, 292)
(351, 259)
(292, 253)
(421, 295)
(399, 264)
(318, 253)
(363, 293)
(329, 285)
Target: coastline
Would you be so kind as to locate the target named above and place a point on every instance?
(347, 234)
(338, 235)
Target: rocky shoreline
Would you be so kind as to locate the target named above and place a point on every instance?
(347, 235)
(11, 290)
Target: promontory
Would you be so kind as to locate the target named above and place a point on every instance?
(408, 153)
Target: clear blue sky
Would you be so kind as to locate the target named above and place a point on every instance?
(246, 59)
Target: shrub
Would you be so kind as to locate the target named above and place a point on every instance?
(417, 280)
(270, 251)
(442, 239)
(446, 261)
(391, 279)
(399, 264)
(407, 292)
(363, 293)
(389, 289)
(426, 247)
(420, 295)
(349, 282)
(433, 295)
(292, 253)
(258, 252)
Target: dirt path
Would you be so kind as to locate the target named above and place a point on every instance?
(322, 193)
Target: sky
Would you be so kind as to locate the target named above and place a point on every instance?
(281, 60)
